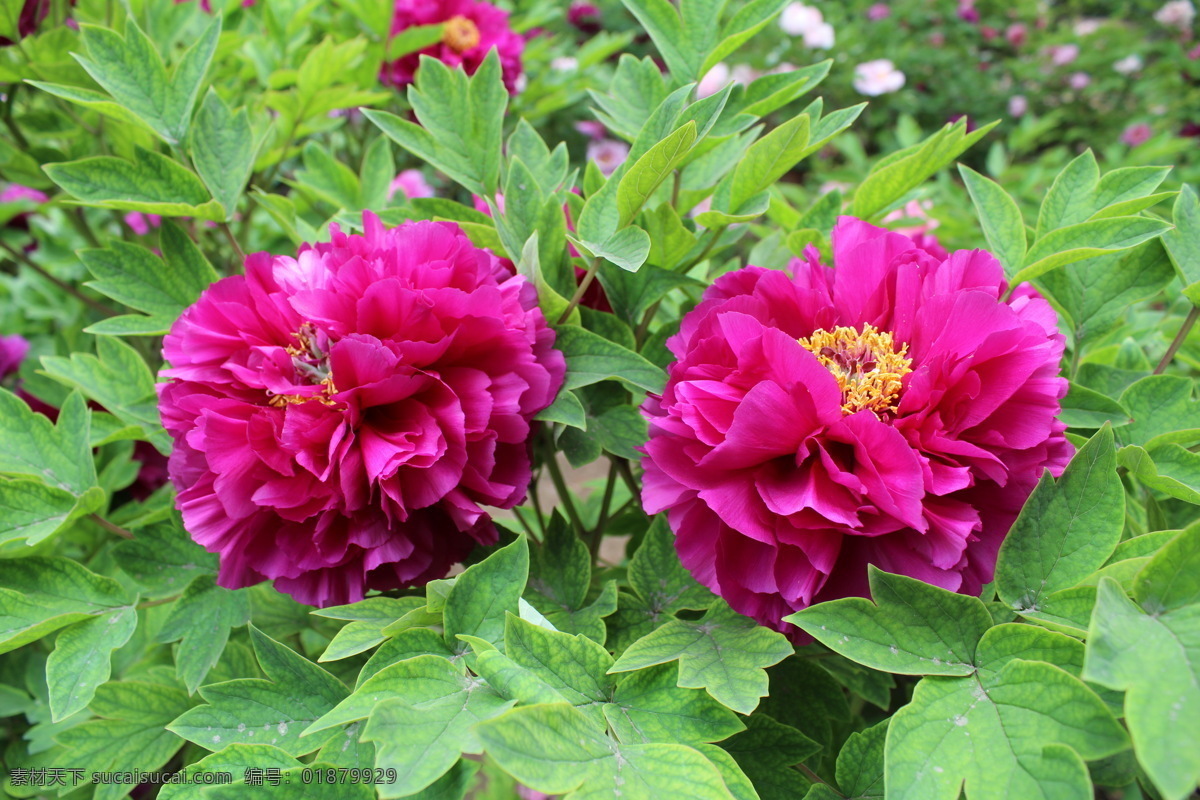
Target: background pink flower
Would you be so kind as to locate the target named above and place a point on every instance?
(411, 183)
(1136, 134)
(890, 410)
(472, 29)
(341, 418)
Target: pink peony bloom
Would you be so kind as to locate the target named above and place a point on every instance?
(592, 129)
(1062, 54)
(1137, 134)
(15, 192)
(12, 352)
(878, 11)
(920, 412)
(1016, 34)
(472, 30)
(585, 17)
(874, 78)
(1079, 80)
(1176, 14)
(1018, 104)
(608, 154)
(142, 223)
(411, 183)
(967, 12)
(31, 15)
(341, 418)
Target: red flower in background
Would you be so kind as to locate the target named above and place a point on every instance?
(341, 418)
(472, 29)
(893, 410)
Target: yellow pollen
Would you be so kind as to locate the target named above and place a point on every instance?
(460, 34)
(311, 361)
(866, 364)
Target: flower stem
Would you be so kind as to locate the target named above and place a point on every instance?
(1178, 341)
(598, 533)
(21, 258)
(814, 777)
(564, 494)
(586, 282)
(110, 527)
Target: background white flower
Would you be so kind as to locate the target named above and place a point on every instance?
(798, 19)
(874, 78)
(1129, 64)
(1176, 14)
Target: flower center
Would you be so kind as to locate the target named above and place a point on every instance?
(867, 367)
(460, 34)
(311, 359)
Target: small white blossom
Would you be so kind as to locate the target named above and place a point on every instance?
(874, 78)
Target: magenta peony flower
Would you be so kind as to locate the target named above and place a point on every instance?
(472, 29)
(890, 410)
(412, 184)
(1136, 134)
(140, 223)
(13, 349)
(879, 11)
(340, 417)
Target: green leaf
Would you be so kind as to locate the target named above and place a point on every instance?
(81, 660)
(40, 595)
(1070, 197)
(482, 594)
(414, 38)
(200, 620)
(1067, 529)
(1086, 240)
(255, 711)
(574, 666)
(369, 618)
(900, 173)
(661, 21)
(767, 750)
(552, 748)
(642, 179)
(222, 146)
(31, 511)
(1015, 728)
(132, 71)
(591, 358)
(657, 576)
(566, 409)
(235, 759)
(1000, 217)
(405, 645)
(118, 379)
(860, 764)
(1151, 651)
(560, 574)
(1170, 469)
(130, 735)
(628, 248)
(1163, 412)
(1088, 409)
(423, 739)
(151, 183)
(768, 160)
(1183, 243)
(722, 652)
(59, 454)
(134, 276)
(912, 628)
(163, 559)
(647, 707)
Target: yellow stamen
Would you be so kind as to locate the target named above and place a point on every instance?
(866, 364)
(460, 34)
(326, 396)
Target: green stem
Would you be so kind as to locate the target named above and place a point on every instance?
(627, 476)
(21, 258)
(598, 534)
(588, 277)
(1192, 316)
(110, 527)
(237, 248)
(564, 494)
(815, 778)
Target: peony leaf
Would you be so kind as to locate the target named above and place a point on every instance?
(118, 379)
(751, 17)
(481, 595)
(130, 734)
(574, 666)
(1150, 649)
(403, 646)
(328, 179)
(860, 764)
(151, 183)
(647, 707)
(1086, 240)
(1088, 409)
(1169, 468)
(82, 659)
(256, 711)
(59, 454)
(163, 559)
(591, 358)
(559, 579)
(552, 748)
(1070, 197)
(1015, 728)
(222, 146)
(200, 620)
(1000, 217)
(766, 751)
(1183, 243)
(368, 619)
(31, 511)
(235, 759)
(40, 595)
(767, 160)
(423, 740)
(912, 628)
(723, 652)
(662, 22)
(1163, 412)
(1067, 529)
(640, 182)
(659, 579)
(566, 409)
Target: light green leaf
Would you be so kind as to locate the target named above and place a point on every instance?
(482, 594)
(1071, 196)
(81, 660)
(768, 160)
(40, 595)
(1151, 651)
(59, 454)
(649, 171)
(235, 759)
(766, 751)
(723, 652)
(1163, 412)
(163, 559)
(647, 707)
(1183, 243)
(574, 666)
(31, 511)
(912, 628)
(1066, 530)
(369, 618)
(659, 579)
(151, 183)
(1168, 468)
(552, 748)
(200, 620)
(591, 358)
(1088, 409)
(1073, 243)
(222, 147)
(1000, 217)
(1016, 728)
(566, 409)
